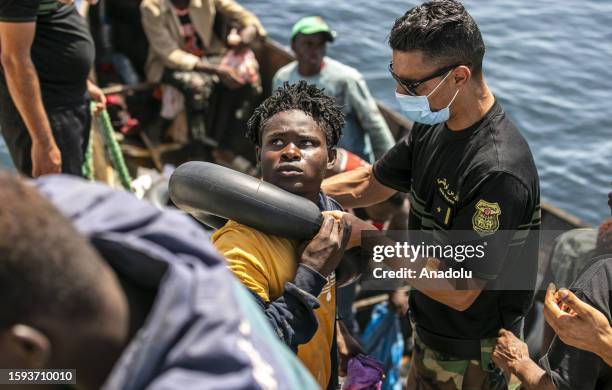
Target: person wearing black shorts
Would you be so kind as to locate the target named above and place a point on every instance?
(47, 53)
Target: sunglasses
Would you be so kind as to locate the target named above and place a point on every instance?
(411, 86)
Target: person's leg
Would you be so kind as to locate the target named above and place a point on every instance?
(232, 110)
(197, 89)
(15, 132)
(477, 378)
(430, 370)
(433, 370)
(71, 128)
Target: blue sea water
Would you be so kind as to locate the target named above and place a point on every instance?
(549, 63)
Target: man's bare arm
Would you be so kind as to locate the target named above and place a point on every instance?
(357, 188)
(16, 41)
(458, 294)
(512, 356)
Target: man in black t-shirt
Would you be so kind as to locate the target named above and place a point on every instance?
(467, 169)
(581, 355)
(46, 54)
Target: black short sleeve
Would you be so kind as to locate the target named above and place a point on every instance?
(498, 207)
(19, 10)
(394, 168)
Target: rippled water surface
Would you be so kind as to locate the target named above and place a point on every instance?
(548, 62)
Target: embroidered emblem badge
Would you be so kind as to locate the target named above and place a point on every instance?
(486, 218)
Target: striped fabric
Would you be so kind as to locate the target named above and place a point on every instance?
(48, 6)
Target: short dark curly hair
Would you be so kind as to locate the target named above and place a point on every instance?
(46, 266)
(304, 97)
(443, 31)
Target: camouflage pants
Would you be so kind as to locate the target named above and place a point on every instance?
(197, 88)
(431, 370)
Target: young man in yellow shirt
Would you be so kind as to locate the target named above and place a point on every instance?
(295, 132)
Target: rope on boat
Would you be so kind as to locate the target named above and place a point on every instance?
(116, 157)
(88, 165)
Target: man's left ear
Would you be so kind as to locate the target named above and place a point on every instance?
(25, 346)
(461, 75)
(331, 157)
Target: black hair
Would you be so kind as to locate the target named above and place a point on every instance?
(46, 267)
(304, 97)
(443, 31)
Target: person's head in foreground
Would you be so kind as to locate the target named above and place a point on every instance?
(437, 61)
(295, 132)
(309, 38)
(61, 306)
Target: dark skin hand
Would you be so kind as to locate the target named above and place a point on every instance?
(324, 252)
(398, 301)
(512, 356)
(348, 347)
(510, 352)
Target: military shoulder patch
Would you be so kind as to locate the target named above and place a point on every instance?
(486, 218)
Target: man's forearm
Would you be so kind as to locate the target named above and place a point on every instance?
(533, 377)
(458, 294)
(24, 87)
(356, 188)
(292, 314)
(605, 350)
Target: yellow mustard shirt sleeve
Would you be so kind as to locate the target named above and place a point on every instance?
(244, 259)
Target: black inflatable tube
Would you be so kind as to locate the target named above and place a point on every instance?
(212, 194)
(202, 188)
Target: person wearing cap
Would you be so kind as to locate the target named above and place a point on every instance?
(366, 133)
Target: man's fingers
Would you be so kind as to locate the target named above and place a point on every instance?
(570, 299)
(346, 229)
(334, 213)
(334, 235)
(327, 225)
(550, 302)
